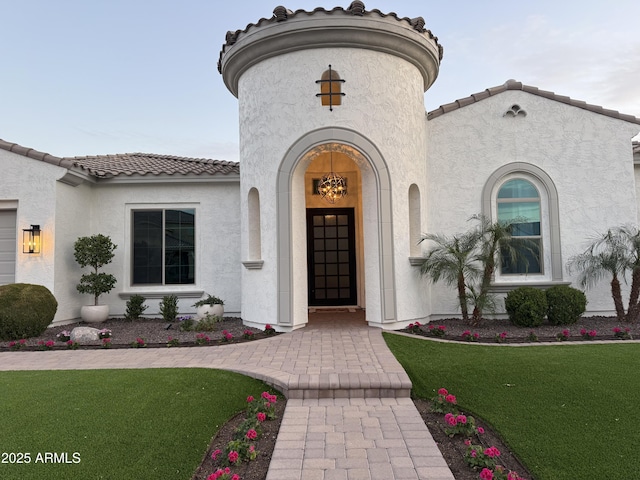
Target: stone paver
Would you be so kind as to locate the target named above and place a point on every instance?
(348, 416)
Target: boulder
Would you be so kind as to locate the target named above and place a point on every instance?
(85, 334)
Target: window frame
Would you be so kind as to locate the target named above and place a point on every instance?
(150, 287)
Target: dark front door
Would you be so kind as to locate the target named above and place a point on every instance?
(331, 256)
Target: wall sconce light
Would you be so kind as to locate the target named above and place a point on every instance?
(31, 239)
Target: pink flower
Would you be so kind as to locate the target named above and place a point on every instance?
(250, 399)
(50, 343)
(12, 344)
(467, 442)
(474, 453)
(466, 333)
(462, 419)
(227, 471)
(265, 395)
(22, 341)
(486, 474)
(566, 333)
(261, 416)
(215, 454)
(235, 477)
(252, 434)
(233, 456)
(450, 419)
(617, 330)
(443, 392)
(592, 333)
(480, 430)
(583, 332)
(418, 324)
(450, 399)
(431, 327)
(492, 452)
(442, 327)
(268, 327)
(476, 335)
(503, 335)
(273, 399)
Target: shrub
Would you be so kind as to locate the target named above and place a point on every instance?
(25, 310)
(207, 324)
(526, 306)
(135, 307)
(169, 308)
(95, 252)
(566, 304)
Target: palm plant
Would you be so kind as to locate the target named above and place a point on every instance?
(613, 254)
(451, 259)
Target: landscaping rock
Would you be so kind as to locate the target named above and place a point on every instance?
(85, 334)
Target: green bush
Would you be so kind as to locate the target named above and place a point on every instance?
(566, 304)
(169, 308)
(207, 324)
(135, 307)
(526, 306)
(25, 310)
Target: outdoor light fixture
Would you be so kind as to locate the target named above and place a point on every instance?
(31, 239)
(332, 187)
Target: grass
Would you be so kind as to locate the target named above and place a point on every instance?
(123, 424)
(567, 411)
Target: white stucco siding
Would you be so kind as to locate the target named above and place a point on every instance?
(217, 207)
(278, 105)
(587, 156)
(29, 186)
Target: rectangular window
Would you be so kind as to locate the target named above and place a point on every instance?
(164, 247)
(525, 222)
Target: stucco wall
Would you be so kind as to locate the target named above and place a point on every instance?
(32, 184)
(218, 265)
(587, 155)
(278, 105)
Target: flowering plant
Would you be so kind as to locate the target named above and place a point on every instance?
(226, 336)
(563, 335)
(64, 336)
(622, 334)
(106, 343)
(225, 474)
(467, 336)
(501, 337)
(461, 425)
(478, 456)
(499, 473)
(13, 345)
(71, 345)
(269, 330)
(139, 343)
(438, 331)
(444, 402)
(172, 342)
(414, 327)
(588, 335)
(202, 339)
(247, 334)
(48, 345)
(104, 333)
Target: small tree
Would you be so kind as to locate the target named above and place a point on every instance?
(95, 252)
(613, 254)
(451, 260)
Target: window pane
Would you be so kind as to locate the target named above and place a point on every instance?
(147, 247)
(528, 260)
(179, 256)
(518, 188)
(525, 214)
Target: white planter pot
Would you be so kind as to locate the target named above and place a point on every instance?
(216, 310)
(94, 313)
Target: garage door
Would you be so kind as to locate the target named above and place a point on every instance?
(7, 246)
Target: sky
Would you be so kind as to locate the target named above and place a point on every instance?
(95, 77)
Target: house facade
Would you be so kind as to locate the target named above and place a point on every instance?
(337, 92)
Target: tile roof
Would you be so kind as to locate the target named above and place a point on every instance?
(356, 8)
(127, 164)
(104, 166)
(514, 85)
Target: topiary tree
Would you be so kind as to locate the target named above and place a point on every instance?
(95, 252)
(25, 310)
(526, 306)
(566, 304)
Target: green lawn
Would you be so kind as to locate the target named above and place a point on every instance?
(123, 424)
(568, 411)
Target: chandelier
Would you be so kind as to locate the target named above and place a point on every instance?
(332, 187)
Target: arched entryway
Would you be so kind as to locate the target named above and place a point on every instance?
(378, 295)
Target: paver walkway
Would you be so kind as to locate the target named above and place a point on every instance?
(348, 415)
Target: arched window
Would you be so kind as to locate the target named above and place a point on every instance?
(518, 203)
(330, 88)
(524, 192)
